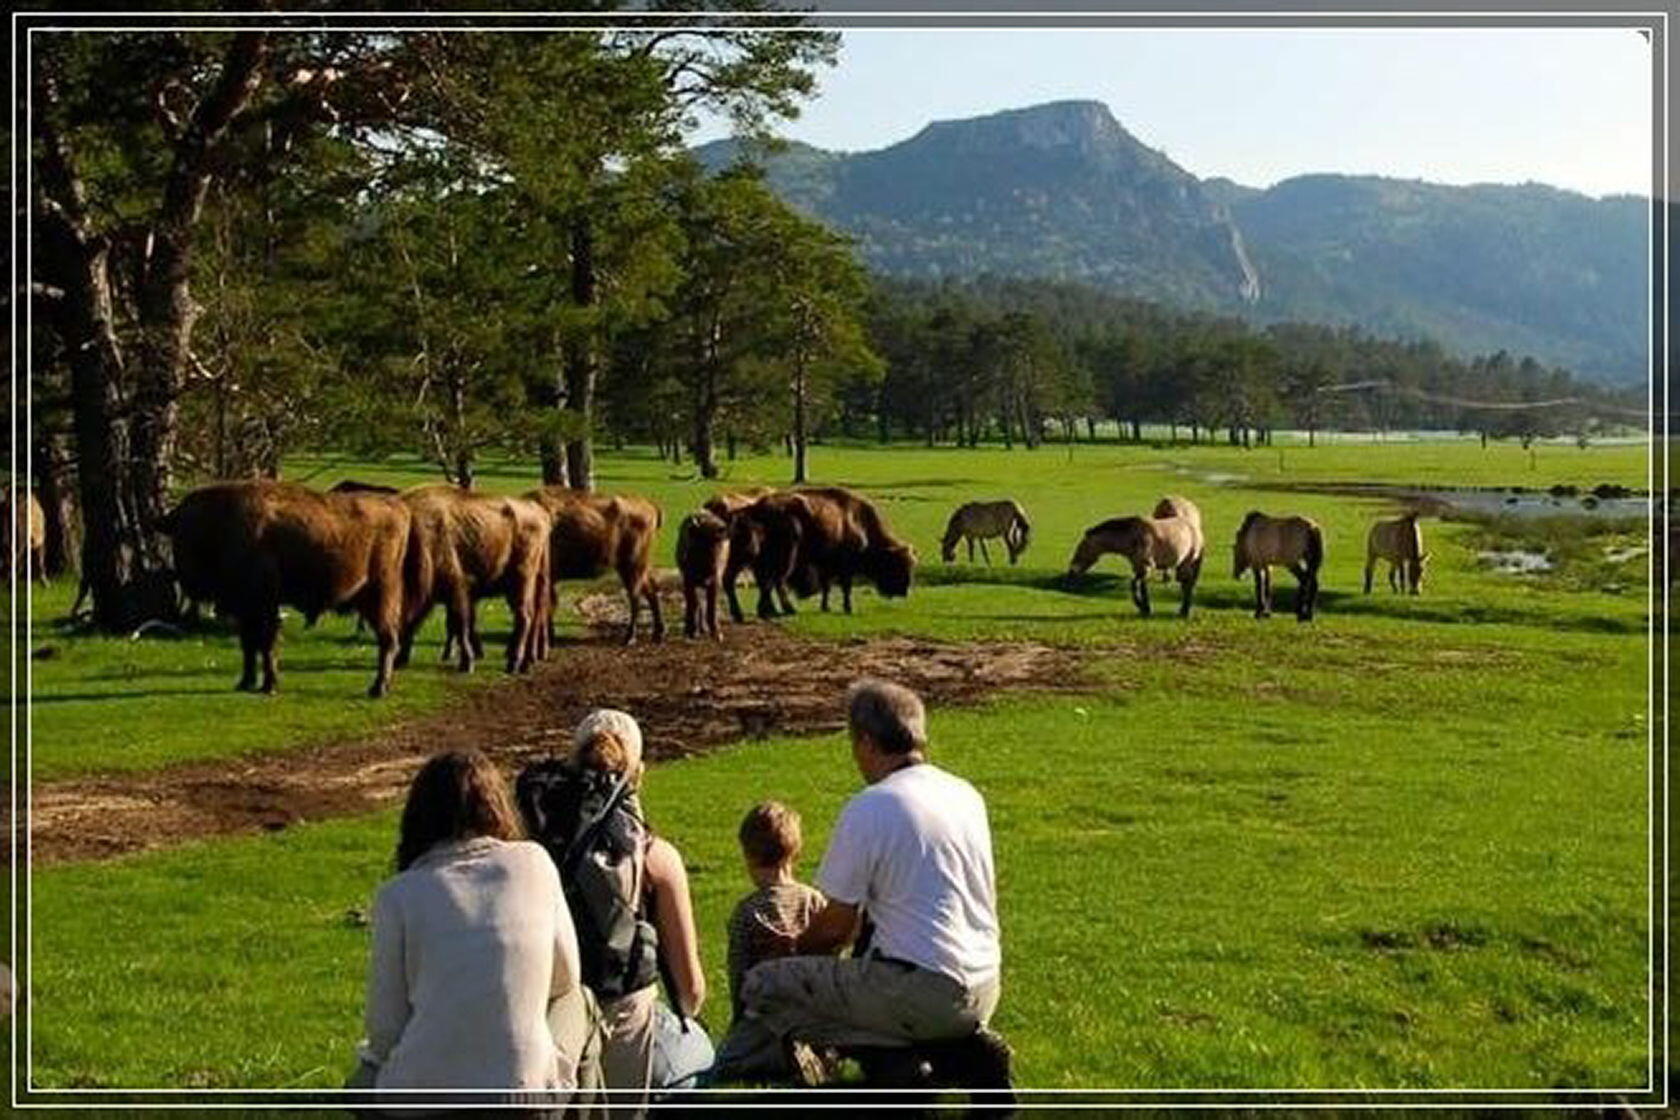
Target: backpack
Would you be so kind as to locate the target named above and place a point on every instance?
(590, 823)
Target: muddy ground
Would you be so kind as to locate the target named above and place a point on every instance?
(689, 696)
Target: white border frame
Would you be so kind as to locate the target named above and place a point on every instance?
(841, 20)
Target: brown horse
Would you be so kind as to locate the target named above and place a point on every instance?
(1166, 543)
(1400, 542)
(1295, 542)
(982, 521)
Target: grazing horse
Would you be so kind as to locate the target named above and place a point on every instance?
(1174, 506)
(981, 521)
(1400, 542)
(1295, 542)
(1168, 543)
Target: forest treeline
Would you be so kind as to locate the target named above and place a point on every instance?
(251, 244)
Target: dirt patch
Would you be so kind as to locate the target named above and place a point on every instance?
(689, 696)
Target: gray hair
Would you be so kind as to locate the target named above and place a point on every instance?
(890, 714)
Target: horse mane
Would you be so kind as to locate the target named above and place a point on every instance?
(1253, 516)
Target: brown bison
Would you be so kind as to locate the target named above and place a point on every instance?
(765, 536)
(813, 538)
(248, 547)
(702, 555)
(593, 534)
(469, 546)
(845, 538)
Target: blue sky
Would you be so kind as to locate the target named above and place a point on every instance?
(1565, 107)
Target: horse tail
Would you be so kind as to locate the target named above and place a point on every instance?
(1315, 548)
(1023, 526)
(1416, 536)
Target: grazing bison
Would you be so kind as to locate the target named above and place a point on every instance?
(593, 534)
(1170, 544)
(469, 546)
(1295, 542)
(248, 547)
(983, 521)
(845, 537)
(765, 536)
(702, 556)
(1400, 542)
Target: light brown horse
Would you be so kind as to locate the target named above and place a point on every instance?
(1174, 506)
(1400, 542)
(1167, 543)
(982, 521)
(1295, 542)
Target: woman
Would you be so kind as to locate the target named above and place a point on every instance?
(472, 941)
(646, 1044)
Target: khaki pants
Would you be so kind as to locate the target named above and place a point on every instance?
(833, 1001)
(627, 1053)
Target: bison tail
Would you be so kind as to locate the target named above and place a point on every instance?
(417, 576)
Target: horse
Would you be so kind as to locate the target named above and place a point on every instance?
(1168, 543)
(1400, 542)
(1174, 506)
(981, 521)
(1295, 542)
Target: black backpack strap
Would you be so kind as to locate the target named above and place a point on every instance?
(588, 830)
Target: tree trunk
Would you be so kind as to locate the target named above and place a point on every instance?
(799, 421)
(705, 415)
(82, 316)
(580, 358)
(164, 302)
(729, 444)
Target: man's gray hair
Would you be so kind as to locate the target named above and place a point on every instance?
(890, 714)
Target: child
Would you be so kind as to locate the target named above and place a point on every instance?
(779, 908)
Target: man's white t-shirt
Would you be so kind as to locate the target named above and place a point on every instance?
(914, 851)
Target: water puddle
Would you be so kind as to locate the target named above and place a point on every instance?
(1517, 562)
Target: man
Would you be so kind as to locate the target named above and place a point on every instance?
(912, 853)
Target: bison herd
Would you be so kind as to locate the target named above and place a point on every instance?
(390, 557)
(249, 548)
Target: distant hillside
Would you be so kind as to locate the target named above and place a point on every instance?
(1063, 191)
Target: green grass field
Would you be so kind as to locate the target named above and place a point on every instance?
(1403, 847)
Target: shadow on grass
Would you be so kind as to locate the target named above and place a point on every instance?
(1225, 596)
(910, 484)
(145, 694)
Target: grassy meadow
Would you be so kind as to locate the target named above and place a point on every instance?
(1404, 846)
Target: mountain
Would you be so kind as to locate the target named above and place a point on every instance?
(1063, 191)
(1059, 190)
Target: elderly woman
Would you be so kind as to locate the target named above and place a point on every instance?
(472, 942)
(647, 1046)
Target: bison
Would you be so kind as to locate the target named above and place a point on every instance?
(469, 546)
(702, 556)
(845, 537)
(765, 536)
(250, 546)
(592, 534)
